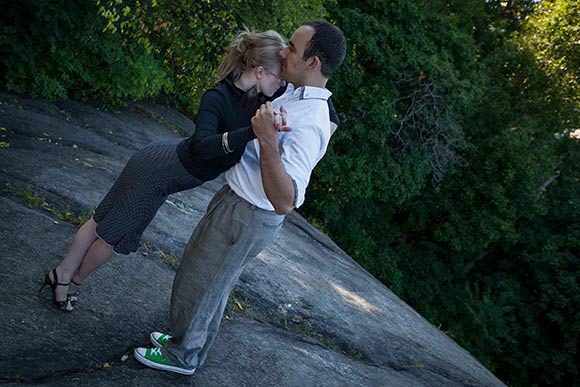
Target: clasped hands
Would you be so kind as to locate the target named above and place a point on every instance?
(266, 123)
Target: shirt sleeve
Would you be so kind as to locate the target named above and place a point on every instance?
(300, 152)
(207, 140)
(332, 112)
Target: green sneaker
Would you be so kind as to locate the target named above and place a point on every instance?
(159, 339)
(152, 357)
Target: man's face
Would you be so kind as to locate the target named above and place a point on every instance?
(293, 65)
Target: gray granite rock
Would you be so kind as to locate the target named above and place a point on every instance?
(303, 314)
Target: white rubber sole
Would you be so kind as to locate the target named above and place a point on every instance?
(143, 360)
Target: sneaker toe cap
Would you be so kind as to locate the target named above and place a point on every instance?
(140, 352)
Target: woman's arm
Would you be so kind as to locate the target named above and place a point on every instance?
(208, 142)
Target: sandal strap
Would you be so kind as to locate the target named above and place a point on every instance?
(55, 277)
(75, 282)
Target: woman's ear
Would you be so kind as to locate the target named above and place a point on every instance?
(259, 71)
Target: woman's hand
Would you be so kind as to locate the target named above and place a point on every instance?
(280, 120)
(265, 124)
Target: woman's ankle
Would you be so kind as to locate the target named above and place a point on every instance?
(75, 283)
(64, 277)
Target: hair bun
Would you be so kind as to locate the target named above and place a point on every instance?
(251, 49)
(243, 42)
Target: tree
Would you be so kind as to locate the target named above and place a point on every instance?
(191, 37)
(484, 247)
(409, 77)
(52, 48)
(114, 50)
(553, 35)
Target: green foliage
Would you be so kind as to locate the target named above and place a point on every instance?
(53, 48)
(68, 216)
(553, 35)
(33, 200)
(401, 94)
(487, 248)
(167, 258)
(30, 198)
(549, 332)
(452, 177)
(190, 37)
(116, 50)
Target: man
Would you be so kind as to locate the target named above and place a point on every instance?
(243, 217)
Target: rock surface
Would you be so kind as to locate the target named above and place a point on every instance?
(303, 314)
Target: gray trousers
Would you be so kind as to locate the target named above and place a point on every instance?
(230, 233)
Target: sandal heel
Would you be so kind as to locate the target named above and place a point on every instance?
(46, 282)
(53, 285)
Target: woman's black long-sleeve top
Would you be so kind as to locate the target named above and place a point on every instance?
(222, 109)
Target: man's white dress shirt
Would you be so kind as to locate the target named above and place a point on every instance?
(300, 149)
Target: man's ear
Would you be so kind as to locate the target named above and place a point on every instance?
(313, 63)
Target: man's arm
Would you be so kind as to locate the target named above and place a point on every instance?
(278, 185)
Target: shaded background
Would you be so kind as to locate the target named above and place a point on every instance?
(454, 175)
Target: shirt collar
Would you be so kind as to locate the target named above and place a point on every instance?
(310, 92)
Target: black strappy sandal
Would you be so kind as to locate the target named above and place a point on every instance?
(53, 284)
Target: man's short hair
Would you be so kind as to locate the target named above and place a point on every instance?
(328, 44)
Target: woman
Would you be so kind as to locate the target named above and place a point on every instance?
(248, 77)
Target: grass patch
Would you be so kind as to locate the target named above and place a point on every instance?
(307, 330)
(167, 258)
(159, 119)
(236, 304)
(174, 128)
(69, 216)
(32, 200)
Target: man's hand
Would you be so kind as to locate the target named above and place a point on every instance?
(277, 183)
(263, 123)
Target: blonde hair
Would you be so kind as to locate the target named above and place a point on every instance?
(251, 49)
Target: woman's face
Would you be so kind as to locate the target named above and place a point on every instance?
(270, 81)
